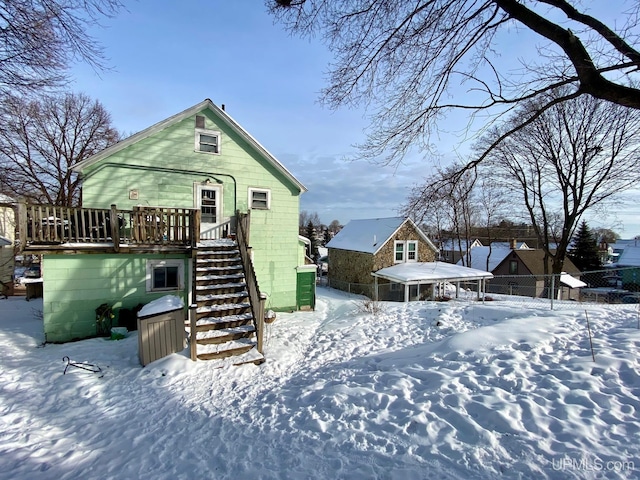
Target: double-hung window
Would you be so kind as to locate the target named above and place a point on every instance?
(207, 141)
(405, 251)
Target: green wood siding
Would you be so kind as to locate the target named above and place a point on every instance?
(75, 285)
(163, 169)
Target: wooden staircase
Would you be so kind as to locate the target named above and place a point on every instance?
(225, 325)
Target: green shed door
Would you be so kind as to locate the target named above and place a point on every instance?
(306, 290)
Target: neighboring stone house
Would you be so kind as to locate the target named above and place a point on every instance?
(522, 272)
(366, 246)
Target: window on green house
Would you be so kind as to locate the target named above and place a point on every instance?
(259, 199)
(165, 275)
(207, 141)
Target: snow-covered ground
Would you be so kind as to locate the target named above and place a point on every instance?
(416, 391)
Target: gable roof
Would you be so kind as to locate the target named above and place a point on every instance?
(370, 235)
(452, 244)
(534, 261)
(207, 103)
(630, 256)
(479, 256)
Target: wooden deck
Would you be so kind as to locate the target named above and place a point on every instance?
(50, 229)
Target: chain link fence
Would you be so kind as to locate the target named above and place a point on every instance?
(606, 286)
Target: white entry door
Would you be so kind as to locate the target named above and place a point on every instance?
(209, 201)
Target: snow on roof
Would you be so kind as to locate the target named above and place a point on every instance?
(479, 256)
(430, 272)
(570, 281)
(452, 244)
(630, 256)
(4, 242)
(366, 235)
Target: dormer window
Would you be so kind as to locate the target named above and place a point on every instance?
(207, 141)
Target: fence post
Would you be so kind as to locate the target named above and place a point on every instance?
(553, 289)
(193, 334)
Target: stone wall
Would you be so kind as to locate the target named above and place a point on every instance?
(346, 266)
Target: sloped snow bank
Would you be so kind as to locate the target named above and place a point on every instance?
(420, 390)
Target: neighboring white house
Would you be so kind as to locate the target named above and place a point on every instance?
(7, 239)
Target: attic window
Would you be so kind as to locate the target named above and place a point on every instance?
(207, 141)
(199, 121)
(405, 251)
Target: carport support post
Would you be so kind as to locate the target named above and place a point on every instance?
(457, 290)
(375, 281)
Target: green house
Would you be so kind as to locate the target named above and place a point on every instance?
(199, 161)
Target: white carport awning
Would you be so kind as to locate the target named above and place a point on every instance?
(432, 272)
(570, 281)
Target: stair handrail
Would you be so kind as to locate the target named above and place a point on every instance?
(256, 298)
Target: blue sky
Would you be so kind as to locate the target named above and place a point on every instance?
(167, 56)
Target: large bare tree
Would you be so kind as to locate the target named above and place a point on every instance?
(40, 38)
(408, 60)
(41, 140)
(576, 155)
(450, 208)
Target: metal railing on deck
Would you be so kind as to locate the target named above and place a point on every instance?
(54, 225)
(257, 299)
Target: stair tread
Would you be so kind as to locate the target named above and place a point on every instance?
(219, 268)
(203, 349)
(223, 332)
(226, 319)
(220, 296)
(220, 277)
(252, 356)
(222, 307)
(220, 286)
(200, 260)
(203, 253)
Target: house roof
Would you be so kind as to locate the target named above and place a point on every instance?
(6, 199)
(534, 261)
(629, 257)
(223, 115)
(370, 235)
(4, 242)
(430, 272)
(452, 244)
(479, 256)
(570, 281)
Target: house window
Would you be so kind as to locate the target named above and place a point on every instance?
(513, 267)
(207, 141)
(165, 275)
(399, 252)
(259, 198)
(405, 251)
(412, 251)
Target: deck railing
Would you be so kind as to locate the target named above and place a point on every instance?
(54, 225)
(257, 299)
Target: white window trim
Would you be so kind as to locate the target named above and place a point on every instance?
(151, 264)
(404, 251)
(260, 190)
(411, 242)
(204, 131)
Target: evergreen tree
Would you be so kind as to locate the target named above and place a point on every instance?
(584, 250)
(311, 235)
(327, 236)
